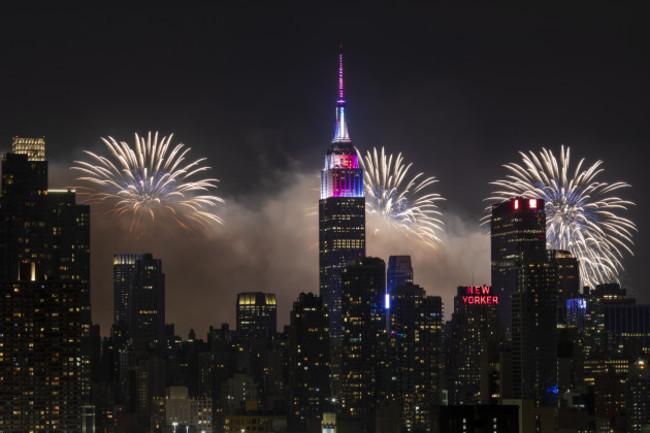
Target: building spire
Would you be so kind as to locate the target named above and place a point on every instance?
(341, 130)
(341, 100)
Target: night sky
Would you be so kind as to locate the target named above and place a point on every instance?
(459, 89)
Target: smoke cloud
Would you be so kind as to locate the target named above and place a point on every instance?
(269, 242)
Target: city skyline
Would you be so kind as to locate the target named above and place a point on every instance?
(427, 102)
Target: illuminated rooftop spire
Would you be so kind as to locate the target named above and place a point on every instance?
(341, 131)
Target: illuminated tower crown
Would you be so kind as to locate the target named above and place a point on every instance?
(341, 176)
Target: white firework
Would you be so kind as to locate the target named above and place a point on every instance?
(582, 215)
(404, 202)
(150, 181)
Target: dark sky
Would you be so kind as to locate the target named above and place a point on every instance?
(459, 88)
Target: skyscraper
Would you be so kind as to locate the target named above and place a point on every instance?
(69, 223)
(23, 235)
(41, 381)
(147, 304)
(256, 315)
(475, 336)
(41, 224)
(517, 230)
(47, 227)
(123, 281)
(525, 280)
(308, 362)
(364, 341)
(415, 344)
(342, 219)
(534, 331)
(138, 301)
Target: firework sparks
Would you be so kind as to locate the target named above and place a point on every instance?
(582, 215)
(404, 202)
(150, 181)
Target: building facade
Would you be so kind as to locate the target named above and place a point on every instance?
(46, 227)
(475, 335)
(308, 362)
(415, 355)
(41, 370)
(534, 332)
(364, 347)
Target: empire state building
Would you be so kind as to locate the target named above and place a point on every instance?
(342, 218)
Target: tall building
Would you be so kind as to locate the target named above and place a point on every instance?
(525, 280)
(474, 339)
(534, 331)
(123, 281)
(638, 396)
(415, 348)
(399, 273)
(69, 223)
(342, 219)
(138, 301)
(146, 325)
(45, 226)
(41, 224)
(517, 230)
(24, 209)
(256, 315)
(612, 328)
(308, 362)
(41, 370)
(364, 341)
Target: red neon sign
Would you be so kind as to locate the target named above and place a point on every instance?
(532, 203)
(516, 204)
(480, 295)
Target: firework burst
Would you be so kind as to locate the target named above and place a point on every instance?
(150, 181)
(582, 215)
(404, 202)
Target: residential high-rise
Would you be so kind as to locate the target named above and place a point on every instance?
(308, 362)
(415, 349)
(41, 224)
(45, 226)
(399, 272)
(517, 229)
(342, 219)
(364, 341)
(41, 370)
